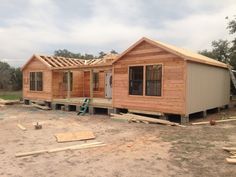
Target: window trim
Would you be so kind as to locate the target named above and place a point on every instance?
(144, 79)
(29, 81)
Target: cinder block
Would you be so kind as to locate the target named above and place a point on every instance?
(54, 106)
(91, 110)
(184, 119)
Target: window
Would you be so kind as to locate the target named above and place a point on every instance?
(95, 81)
(36, 81)
(65, 80)
(136, 80)
(153, 80)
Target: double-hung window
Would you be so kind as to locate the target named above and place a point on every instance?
(36, 81)
(152, 80)
(136, 80)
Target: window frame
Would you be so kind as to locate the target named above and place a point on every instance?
(65, 80)
(129, 80)
(35, 81)
(144, 79)
(153, 80)
(95, 82)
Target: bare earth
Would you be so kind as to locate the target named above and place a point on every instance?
(133, 149)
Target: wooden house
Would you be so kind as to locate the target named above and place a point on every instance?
(149, 77)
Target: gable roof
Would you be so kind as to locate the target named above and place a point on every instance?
(55, 62)
(183, 53)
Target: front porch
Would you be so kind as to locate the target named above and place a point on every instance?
(73, 104)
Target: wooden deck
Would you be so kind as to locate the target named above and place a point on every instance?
(95, 102)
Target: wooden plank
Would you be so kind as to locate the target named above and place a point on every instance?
(21, 127)
(40, 107)
(229, 160)
(217, 121)
(74, 136)
(91, 83)
(74, 147)
(132, 117)
(229, 148)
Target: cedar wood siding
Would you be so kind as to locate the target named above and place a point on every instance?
(207, 87)
(101, 90)
(37, 66)
(59, 89)
(173, 80)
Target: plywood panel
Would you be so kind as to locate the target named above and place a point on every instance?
(207, 87)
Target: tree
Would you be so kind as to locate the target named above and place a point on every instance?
(224, 50)
(113, 51)
(101, 54)
(11, 78)
(68, 54)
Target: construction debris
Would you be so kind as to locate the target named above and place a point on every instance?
(74, 136)
(21, 127)
(137, 118)
(74, 147)
(40, 106)
(216, 121)
(9, 102)
(232, 158)
(37, 126)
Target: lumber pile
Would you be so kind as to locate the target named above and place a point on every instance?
(138, 118)
(216, 121)
(232, 151)
(74, 147)
(40, 106)
(9, 102)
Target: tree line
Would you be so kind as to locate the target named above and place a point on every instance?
(69, 54)
(10, 77)
(222, 49)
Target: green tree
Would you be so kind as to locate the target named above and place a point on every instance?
(101, 54)
(224, 50)
(68, 54)
(113, 51)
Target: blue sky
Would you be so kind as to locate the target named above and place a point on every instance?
(42, 26)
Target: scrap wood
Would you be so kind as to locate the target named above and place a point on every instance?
(229, 148)
(21, 127)
(74, 136)
(233, 156)
(40, 107)
(74, 147)
(229, 160)
(134, 117)
(9, 102)
(217, 121)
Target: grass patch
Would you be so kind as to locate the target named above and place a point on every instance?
(10, 95)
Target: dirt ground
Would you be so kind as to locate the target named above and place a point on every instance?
(132, 150)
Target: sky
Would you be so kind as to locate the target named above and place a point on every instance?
(91, 26)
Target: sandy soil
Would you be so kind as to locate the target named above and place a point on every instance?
(133, 149)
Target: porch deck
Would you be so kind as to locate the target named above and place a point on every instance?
(94, 102)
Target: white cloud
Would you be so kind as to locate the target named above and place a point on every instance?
(110, 26)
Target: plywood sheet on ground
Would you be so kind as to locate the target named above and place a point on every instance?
(74, 136)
